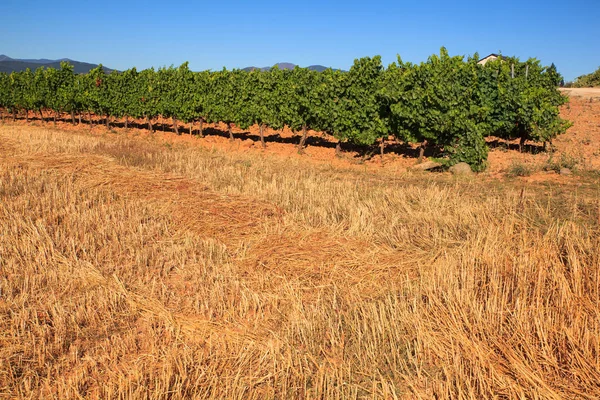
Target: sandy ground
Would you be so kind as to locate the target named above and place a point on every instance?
(582, 92)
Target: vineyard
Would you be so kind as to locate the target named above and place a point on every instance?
(447, 103)
(139, 265)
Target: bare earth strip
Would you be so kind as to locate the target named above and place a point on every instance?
(586, 93)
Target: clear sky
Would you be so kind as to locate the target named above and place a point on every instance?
(235, 34)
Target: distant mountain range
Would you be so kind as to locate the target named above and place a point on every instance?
(9, 65)
(319, 68)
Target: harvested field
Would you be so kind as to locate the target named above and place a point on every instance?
(140, 266)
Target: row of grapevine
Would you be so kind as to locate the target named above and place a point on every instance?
(447, 102)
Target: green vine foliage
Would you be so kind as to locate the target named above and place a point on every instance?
(184, 94)
(360, 118)
(5, 91)
(149, 94)
(265, 103)
(524, 100)
(167, 88)
(305, 105)
(98, 94)
(224, 96)
(438, 101)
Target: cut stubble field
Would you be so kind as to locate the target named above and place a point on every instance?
(139, 266)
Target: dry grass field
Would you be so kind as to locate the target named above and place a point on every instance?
(134, 268)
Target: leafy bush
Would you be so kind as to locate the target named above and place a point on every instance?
(589, 80)
(439, 102)
(524, 100)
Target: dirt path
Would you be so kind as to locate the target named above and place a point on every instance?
(586, 93)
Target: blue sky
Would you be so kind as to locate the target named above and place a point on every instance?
(234, 34)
